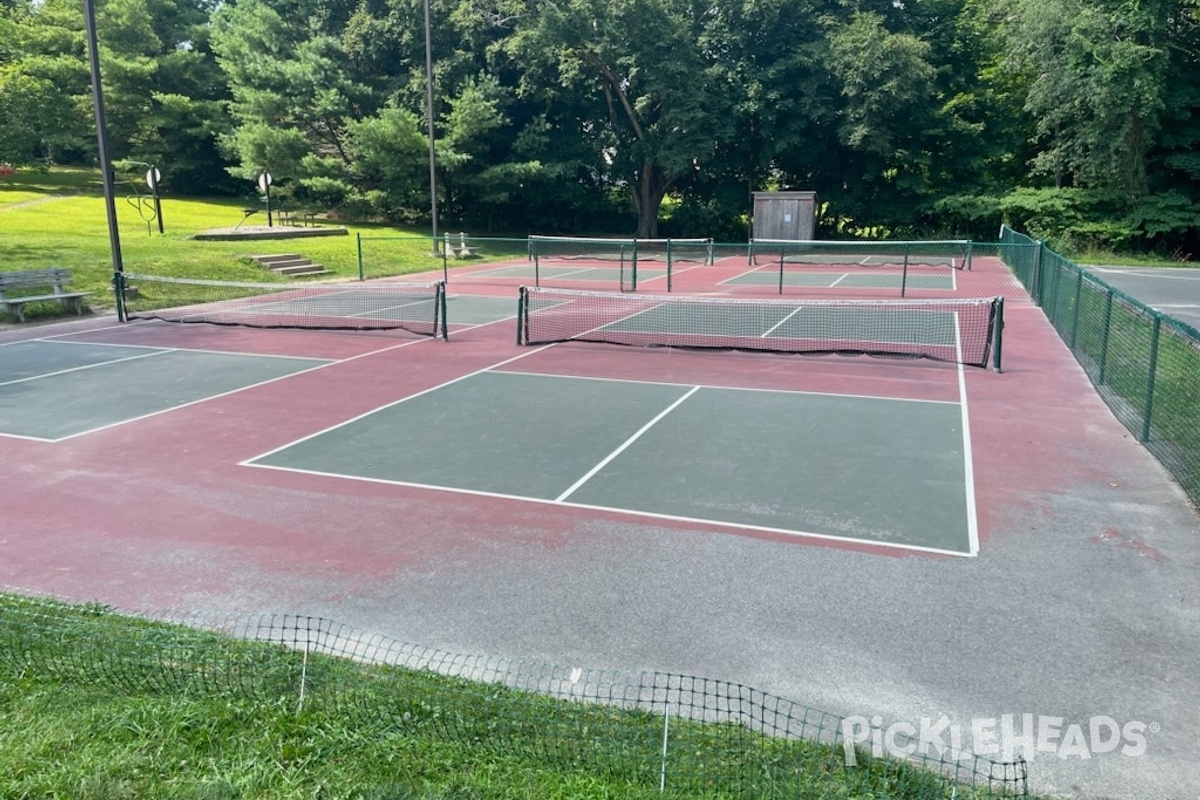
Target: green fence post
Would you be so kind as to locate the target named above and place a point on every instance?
(1150, 378)
(1104, 338)
(970, 246)
(358, 238)
(904, 272)
(1035, 283)
(1075, 313)
(445, 263)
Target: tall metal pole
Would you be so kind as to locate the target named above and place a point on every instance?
(110, 203)
(433, 209)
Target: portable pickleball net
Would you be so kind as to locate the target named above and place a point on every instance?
(959, 331)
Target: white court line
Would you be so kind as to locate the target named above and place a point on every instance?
(205, 399)
(885, 398)
(603, 463)
(968, 458)
(839, 280)
(774, 327)
(623, 511)
(87, 366)
(186, 350)
(1153, 272)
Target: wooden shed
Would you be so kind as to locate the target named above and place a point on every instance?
(785, 215)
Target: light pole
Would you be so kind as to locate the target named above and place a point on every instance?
(433, 210)
(110, 203)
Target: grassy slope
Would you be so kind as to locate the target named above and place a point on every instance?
(59, 218)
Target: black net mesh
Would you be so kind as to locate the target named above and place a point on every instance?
(418, 308)
(957, 331)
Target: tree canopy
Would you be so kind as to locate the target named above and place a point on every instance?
(1074, 120)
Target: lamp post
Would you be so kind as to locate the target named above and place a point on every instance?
(110, 203)
(433, 209)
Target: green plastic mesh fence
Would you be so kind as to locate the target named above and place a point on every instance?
(678, 732)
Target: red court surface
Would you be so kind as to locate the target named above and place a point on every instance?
(1080, 601)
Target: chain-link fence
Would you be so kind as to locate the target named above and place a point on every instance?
(684, 734)
(1145, 364)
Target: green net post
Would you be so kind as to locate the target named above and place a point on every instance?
(118, 283)
(781, 262)
(970, 247)
(1108, 304)
(633, 265)
(904, 272)
(670, 269)
(358, 239)
(522, 301)
(998, 334)
(537, 267)
(441, 303)
(1153, 370)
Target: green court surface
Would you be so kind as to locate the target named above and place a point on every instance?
(769, 276)
(917, 325)
(861, 469)
(52, 390)
(466, 309)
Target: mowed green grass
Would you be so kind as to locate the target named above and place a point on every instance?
(59, 218)
(103, 706)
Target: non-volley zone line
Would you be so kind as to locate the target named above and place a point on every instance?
(694, 453)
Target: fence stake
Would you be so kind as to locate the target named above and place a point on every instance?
(1150, 379)
(662, 775)
(303, 679)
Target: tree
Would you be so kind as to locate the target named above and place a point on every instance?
(1097, 87)
(646, 96)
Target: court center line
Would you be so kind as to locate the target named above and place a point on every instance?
(641, 431)
(88, 366)
(774, 327)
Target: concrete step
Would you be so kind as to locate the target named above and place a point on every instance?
(302, 269)
(290, 264)
(275, 257)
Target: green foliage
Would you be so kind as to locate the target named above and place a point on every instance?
(1077, 220)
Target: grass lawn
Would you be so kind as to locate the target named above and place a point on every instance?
(104, 706)
(58, 218)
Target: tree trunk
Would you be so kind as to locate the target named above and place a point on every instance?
(648, 192)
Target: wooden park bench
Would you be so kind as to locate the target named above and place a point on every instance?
(43, 284)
